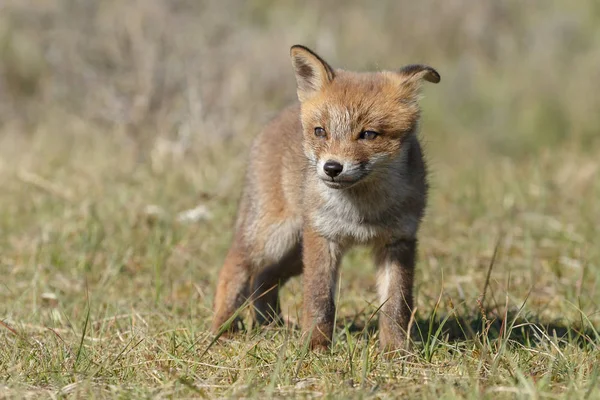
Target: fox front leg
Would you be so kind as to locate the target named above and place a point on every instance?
(321, 262)
(395, 275)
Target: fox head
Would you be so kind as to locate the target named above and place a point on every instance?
(355, 124)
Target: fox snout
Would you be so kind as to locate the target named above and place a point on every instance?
(333, 168)
(340, 174)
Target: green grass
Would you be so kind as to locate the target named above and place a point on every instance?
(99, 298)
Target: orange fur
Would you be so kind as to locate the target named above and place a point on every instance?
(342, 168)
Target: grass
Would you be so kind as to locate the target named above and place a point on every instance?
(100, 298)
(109, 131)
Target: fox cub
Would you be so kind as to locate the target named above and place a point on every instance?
(343, 167)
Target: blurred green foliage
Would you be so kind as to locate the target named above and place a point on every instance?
(516, 76)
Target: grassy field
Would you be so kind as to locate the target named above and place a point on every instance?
(118, 117)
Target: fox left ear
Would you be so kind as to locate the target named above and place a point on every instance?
(312, 72)
(419, 71)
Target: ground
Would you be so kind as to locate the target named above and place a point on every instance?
(103, 294)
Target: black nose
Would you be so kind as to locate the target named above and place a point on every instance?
(333, 168)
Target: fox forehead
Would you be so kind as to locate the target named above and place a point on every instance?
(370, 101)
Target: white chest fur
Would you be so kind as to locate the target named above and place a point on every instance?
(374, 215)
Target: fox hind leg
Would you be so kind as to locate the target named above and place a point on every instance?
(232, 289)
(268, 281)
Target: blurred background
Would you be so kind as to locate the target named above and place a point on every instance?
(178, 74)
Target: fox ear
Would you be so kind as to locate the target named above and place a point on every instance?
(312, 72)
(419, 71)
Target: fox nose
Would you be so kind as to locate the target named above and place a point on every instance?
(333, 168)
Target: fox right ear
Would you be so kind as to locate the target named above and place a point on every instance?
(420, 71)
(312, 72)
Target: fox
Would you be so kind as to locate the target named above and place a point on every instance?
(343, 166)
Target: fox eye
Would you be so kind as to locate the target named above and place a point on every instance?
(320, 132)
(368, 135)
